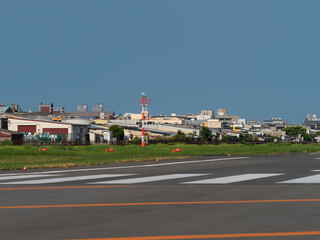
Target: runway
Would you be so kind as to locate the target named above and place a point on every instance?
(256, 197)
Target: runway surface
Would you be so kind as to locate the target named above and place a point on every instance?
(255, 197)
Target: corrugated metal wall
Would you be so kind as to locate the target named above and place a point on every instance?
(56, 130)
(27, 128)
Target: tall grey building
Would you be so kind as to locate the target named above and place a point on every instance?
(97, 108)
(82, 108)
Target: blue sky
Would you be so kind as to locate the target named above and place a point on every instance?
(255, 58)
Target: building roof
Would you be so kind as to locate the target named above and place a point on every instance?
(48, 121)
(138, 129)
(5, 110)
(89, 113)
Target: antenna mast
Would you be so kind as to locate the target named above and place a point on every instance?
(144, 102)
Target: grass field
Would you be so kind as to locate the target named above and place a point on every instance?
(15, 157)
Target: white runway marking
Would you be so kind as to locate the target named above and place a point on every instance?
(26, 176)
(233, 179)
(68, 179)
(149, 179)
(140, 166)
(310, 179)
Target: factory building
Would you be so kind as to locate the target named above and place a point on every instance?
(69, 131)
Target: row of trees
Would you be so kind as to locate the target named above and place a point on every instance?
(300, 132)
(206, 135)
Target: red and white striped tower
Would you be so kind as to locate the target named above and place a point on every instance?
(144, 102)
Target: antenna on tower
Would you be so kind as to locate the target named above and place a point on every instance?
(144, 102)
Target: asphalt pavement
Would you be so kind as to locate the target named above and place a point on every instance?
(241, 197)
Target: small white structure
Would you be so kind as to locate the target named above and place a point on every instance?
(205, 114)
(222, 112)
(100, 136)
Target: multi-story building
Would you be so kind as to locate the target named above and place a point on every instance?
(312, 121)
(97, 108)
(48, 108)
(82, 108)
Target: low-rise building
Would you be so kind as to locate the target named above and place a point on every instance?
(48, 108)
(216, 124)
(98, 135)
(175, 128)
(167, 119)
(91, 115)
(69, 131)
(276, 121)
(274, 133)
(152, 134)
(205, 114)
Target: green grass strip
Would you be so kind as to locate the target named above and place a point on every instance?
(15, 157)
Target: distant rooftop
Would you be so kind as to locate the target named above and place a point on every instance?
(5, 110)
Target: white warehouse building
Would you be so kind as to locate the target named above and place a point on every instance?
(71, 131)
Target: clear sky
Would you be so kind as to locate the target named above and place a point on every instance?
(255, 58)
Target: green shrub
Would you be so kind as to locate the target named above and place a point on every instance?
(6, 142)
(136, 140)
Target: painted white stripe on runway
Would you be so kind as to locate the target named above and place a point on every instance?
(149, 179)
(233, 179)
(140, 166)
(310, 179)
(22, 176)
(68, 179)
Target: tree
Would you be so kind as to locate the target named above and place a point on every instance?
(205, 133)
(158, 138)
(117, 131)
(308, 137)
(227, 138)
(245, 137)
(295, 131)
(192, 135)
(180, 136)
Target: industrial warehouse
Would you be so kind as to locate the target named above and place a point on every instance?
(31, 127)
